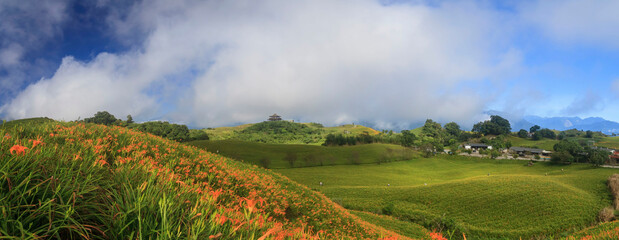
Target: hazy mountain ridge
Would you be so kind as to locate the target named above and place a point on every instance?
(526, 122)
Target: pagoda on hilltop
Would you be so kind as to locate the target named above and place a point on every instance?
(275, 117)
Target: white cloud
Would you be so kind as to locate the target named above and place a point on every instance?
(25, 26)
(67, 95)
(326, 61)
(590, 102)
(580, 21)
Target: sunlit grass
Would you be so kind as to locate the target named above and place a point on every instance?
(479, 197)
(76, 181)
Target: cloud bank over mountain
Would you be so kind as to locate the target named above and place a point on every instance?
(213, 63)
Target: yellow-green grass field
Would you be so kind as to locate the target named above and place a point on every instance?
(609, 142)
(482, 198)
(307, 155)
(544, 143)
(222, 133)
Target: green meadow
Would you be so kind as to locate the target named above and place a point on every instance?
(235, 133)
(543, 143)
(609, 142)
(482, 198)
(306, 155)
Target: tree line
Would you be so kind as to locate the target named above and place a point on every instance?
(172, 131)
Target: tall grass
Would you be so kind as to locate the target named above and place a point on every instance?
(76, 181)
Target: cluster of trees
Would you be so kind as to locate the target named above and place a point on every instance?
(433, 137)
(405, 138)
(569, 151)
(538, 133)
(281, 132)
(106, 118)
(497, 125)
(340, 139)
(167, 130)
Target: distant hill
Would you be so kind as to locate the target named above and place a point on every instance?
(565, 123)
(285, 132)
(559, 123)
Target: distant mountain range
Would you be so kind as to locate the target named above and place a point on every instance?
(519, 122)
(560, 123)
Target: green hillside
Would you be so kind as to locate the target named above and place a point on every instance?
(609, 142)
(15, 123)
(83, 181)
(306, 155)
(285, 132)
(222, 133)
(544, 143)
(479, 197)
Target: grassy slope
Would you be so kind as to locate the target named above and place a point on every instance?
(253, 152)
(353, 129)
(16, 123)
(405, 228)
(90, 181)
(547, 144)
(513, 201)
(226, 133)
(222, 133)
(609, 142)
(544, 143)
(608, 230)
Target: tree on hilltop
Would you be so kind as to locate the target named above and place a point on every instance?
(103, 117)
(453, 129)
(523, 133)
(408, 138)
(497, 125)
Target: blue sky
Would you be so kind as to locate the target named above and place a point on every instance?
(393, 63)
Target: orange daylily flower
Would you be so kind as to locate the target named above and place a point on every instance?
(251, 204)
(35, 143)
(216, 194)
(19, 149)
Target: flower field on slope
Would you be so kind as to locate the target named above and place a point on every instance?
(609, 230)
(76, 181)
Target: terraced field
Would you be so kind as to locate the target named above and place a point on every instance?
(480, 197)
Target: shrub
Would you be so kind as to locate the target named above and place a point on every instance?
(310, 160)
(265, 162)
(290, 158)
(354, 158)
(606, 215)
(613, 184)
(562, 157)
(494, 153)
(388, 208)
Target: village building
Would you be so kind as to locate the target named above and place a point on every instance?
(523, 151)
(477, 146)
(275, 117)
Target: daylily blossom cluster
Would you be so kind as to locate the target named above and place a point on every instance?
(235, 199)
